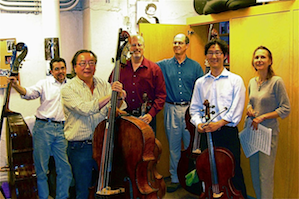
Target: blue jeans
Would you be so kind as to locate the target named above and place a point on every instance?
(48, 139)
(83, 165)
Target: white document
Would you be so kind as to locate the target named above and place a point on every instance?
(253, 141)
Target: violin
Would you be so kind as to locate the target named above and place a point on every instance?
(126, 151)
(215, 167)
(22, 176)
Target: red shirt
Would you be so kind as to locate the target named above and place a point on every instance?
(147, 78)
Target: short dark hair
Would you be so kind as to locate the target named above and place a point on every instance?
(222, 44)
(150, 5)
(74, 60)
(57, 59)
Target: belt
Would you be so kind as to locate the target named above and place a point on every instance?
(135, 113)
(179, 103)
(83, 141)
(49, 120)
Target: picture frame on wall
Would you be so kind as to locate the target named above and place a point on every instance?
(148, 12)
(10, 45)
(51, 48)
(7, 59)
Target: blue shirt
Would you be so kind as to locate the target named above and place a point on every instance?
(180, 78)
(226, 90)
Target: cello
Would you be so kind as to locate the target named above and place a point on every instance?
(188, 158)
(215, 166)
(126, 151)
(22, 176)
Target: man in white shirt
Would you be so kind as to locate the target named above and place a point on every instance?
(224, 91)
(48, 134)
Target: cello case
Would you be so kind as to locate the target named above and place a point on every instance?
(21, 172)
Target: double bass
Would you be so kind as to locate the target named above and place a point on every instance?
(22, 176)
(126, 151)
(215, 167)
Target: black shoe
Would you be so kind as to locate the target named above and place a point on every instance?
(173, 187)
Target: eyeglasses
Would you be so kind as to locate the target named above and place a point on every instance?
(178, 43)
(217, 53)
(84, 63)
(134, 45)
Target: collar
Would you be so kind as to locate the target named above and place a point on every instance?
(80, 81)
(53, 80)
(145, 63)
(177, 62)
(224, 73)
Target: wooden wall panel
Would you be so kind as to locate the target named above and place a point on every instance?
(294, 97)
(275, 31)
(198, 40)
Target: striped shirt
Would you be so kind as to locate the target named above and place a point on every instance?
(81, 108)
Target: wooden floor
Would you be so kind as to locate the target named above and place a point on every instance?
(179, 194)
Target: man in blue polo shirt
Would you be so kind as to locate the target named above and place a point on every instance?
(180, 74)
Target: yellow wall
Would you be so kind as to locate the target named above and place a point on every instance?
(247, 33)
(3, 65)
